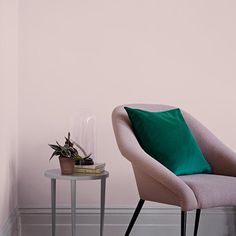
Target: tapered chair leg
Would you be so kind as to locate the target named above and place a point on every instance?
(198, 212)
(135, 215)
(183, 223)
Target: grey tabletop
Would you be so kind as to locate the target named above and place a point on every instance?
(56, 174)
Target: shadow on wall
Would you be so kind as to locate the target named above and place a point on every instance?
(12, 184)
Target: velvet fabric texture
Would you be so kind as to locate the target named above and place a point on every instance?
(157, 183)
(167, 138)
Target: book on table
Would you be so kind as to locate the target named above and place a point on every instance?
(90, 169)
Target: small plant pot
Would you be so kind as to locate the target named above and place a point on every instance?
(67, 165)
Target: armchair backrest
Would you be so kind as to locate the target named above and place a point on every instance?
(212, 148)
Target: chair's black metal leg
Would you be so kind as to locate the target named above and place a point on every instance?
(135, 215)
(183, 223)
(198, 212)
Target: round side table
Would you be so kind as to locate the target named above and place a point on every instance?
(55, 174)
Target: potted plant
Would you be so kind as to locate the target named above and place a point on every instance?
(68, 155)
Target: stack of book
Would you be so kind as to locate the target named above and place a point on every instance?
(96, 168)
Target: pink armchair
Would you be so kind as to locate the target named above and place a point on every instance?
(190, 192)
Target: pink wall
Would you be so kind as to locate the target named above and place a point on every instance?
(98, 54)
(8, 105)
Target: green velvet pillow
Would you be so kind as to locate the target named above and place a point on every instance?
(166, 137)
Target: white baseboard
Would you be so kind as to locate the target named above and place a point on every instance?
(10, 228)
(151, 222)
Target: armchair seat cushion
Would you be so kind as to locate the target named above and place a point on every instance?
(212, 190)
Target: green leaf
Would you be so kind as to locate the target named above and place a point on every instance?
(66, 152)
(55, 153)
(78, 158)
(59, 144)
(55, 147)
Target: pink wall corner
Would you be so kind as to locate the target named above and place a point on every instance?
(8, 104)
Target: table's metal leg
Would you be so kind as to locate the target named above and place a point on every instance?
(53, 205)
(103, 189)
(73, 206)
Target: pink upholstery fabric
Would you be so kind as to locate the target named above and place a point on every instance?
(212, 190)
(221, 158)
(157, 183)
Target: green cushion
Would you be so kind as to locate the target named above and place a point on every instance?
(166, 137)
